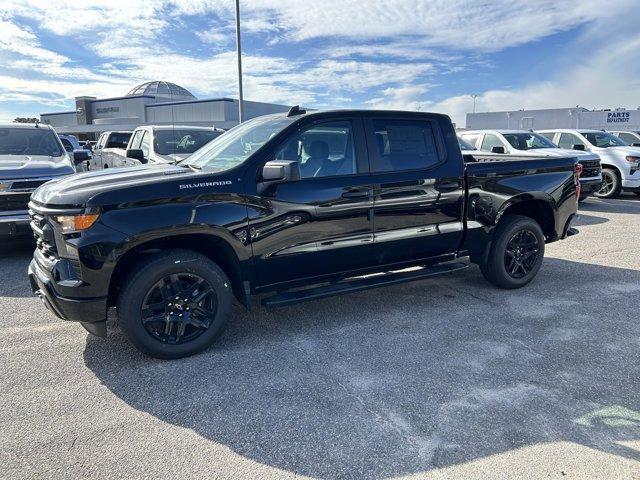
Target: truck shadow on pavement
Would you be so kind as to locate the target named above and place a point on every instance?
(627, 203)
(15, 256)
(408, 378)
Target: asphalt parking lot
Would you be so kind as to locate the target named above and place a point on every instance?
(442, 378)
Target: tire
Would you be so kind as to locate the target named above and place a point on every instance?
(105, 166)
(511, 230)
(611, 184)
(149, 294)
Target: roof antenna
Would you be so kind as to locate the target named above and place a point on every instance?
(295, 110)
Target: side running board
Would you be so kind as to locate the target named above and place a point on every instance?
(356, 284)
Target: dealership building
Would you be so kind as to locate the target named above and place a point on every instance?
(152, 103)
(578, 117)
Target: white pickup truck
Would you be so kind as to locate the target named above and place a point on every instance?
(620, 162)
(107, 149)
(525, 143)
(163, 144)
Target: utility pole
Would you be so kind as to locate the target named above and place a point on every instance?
(474, 96)
(239, 48)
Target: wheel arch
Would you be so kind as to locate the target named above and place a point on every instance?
(538, 209)
(212, 246)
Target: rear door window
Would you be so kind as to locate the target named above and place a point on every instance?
(403, 145)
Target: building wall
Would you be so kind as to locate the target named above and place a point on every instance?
(210, 112)
(126, 113)
(120, 110)
(556, 118)
(61, 119)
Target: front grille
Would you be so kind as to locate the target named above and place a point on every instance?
(27, 184)
(590, 168)
(43, 233)
(14, 201)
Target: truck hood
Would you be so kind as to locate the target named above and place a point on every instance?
(114, 186)
(17, 167)
(622, 151)
(563, 152)
(171, 158)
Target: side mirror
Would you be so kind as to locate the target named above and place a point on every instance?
(578, 146)
(136, 154)
(279, 171)
(80, 156)
(498, 150)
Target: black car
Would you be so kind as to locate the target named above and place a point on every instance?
(292, 207)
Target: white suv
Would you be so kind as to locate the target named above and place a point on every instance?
(525, 143)
(620, 162)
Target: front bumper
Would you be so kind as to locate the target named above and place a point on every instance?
(590, 185)
(15, 225)
(85, 310)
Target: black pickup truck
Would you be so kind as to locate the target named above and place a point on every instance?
(291, 207)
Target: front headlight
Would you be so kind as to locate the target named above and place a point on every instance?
(76, 223)
(632, 159)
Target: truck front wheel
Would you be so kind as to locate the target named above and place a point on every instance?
(174, 304)
(516, 252)
(611, 184)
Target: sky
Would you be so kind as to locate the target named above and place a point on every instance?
(429, 55)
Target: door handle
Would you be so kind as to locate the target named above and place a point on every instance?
(447, 186)
(356, 193)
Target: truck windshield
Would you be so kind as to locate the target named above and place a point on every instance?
(29, 141)
(527, 141)
(167, 142)
(603, 139)
(235, 146)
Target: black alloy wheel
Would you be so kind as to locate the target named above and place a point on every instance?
(174, 303)
(179, 308)
(521, 253)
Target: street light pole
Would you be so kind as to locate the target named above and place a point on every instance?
(239, 48)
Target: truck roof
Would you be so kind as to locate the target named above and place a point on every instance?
(495, 130)
(171, 127)
(550, 130)
(26, 125)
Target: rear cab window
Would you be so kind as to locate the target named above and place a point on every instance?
(403, 145)
(118, 140)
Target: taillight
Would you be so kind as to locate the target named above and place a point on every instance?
(578, 171)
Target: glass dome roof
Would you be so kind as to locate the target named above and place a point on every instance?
(162, 89)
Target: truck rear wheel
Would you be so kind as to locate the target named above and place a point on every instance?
(174, 304)
(611, 184)
(516, 252)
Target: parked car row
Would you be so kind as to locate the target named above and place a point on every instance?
(610, 164)
(153, 144)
